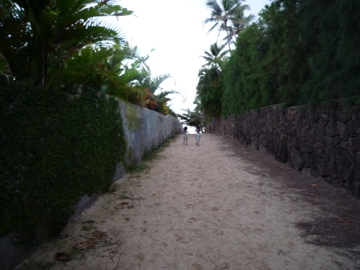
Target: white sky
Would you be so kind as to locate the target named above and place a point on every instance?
(175, 30)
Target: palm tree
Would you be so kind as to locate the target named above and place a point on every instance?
(209, 91)
(238, 24)
(216, 56)
(38, 35)
(225, 14)
(192, 118)
(101, 68)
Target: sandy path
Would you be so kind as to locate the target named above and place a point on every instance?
(197, 208)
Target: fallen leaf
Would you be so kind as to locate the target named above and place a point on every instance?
(85, 245)
(89, 221)
(99, 235)
(343, 220)
(121, 205)
(62, 257)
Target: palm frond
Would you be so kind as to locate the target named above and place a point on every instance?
(4, 65)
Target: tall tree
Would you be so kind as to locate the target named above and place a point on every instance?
(249, 73)
(192, 118)
(4, 65)
(299, 52)
(209, 91)
(216, 56)
(105, 69)
(238, 24)
(330, 34)
(227, 15)
(209, 88)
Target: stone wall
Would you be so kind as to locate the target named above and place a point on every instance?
(324, 142)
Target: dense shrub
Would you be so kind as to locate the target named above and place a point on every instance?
(55, 148)
(299, 52)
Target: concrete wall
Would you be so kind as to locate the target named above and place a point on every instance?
(324, 142)
(145, 130)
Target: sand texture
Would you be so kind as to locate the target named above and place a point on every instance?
(215, 206)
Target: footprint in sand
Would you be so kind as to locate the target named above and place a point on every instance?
(140, 256)
(197, 266)
(191, 220)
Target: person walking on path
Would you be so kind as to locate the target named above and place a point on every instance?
(198, 136)
(185, 136)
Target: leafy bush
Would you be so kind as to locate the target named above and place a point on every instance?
(55, 149)
(299, 52)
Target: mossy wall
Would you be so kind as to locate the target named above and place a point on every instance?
(145, 130)
(61, 148)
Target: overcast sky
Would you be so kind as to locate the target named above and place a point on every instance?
(175, 30)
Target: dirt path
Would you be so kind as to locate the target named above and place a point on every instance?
(211, 207)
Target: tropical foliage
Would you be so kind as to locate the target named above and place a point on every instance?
(192, 118)
(4, 66)
(228, 16)
(54, 151)
(152, 85)
(37, 36)
(52, 43)
(215, 57)
(298, 52)
(54, 146)
(209, 88)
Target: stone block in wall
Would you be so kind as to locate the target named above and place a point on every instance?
(342, 114)
(305, 147)
(262, 143)
(295, 158)
(323, 120)
(341, 130)
(330, 129)
(328, 172)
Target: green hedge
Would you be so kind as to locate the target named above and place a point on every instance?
(298, 52)
(55, 148)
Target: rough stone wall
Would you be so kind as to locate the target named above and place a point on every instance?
(324, 142)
